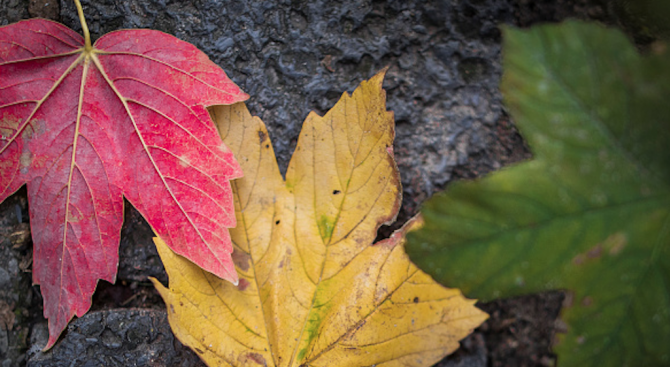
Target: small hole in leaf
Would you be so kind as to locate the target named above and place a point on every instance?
(416, 299)
(335, 192)
(267, 145)
(277, 222)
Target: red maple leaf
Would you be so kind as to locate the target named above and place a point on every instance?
(83, 126)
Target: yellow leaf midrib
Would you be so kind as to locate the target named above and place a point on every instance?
(327, 241)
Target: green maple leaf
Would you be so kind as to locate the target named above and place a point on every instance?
(589, 214)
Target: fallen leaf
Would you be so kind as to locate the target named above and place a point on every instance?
(84, 127)
(590, 213)
(312, 290)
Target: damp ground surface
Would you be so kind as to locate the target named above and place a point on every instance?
(293, 57)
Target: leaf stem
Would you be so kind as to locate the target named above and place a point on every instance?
(84, 27)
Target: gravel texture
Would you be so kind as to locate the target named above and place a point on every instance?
(123, 338)
(18, 300)
(292, 57)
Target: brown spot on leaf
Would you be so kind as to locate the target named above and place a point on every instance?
(26, 159)
(595, 251)
(34, 128)
(615, 243)
(361, 324)
(199, 351)
(75, 216)
(8, 125)
(262, 136)
(241, 259)
(416, 299)
(6, 164)
(257, 358)
(27, 133)
(587, 301)
(243, 284)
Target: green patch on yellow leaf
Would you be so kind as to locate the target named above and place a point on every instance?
(313, 291)
(326, 226)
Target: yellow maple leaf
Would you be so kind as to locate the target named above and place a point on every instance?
(312, 290)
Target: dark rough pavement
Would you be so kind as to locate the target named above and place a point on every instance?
(114, 338)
